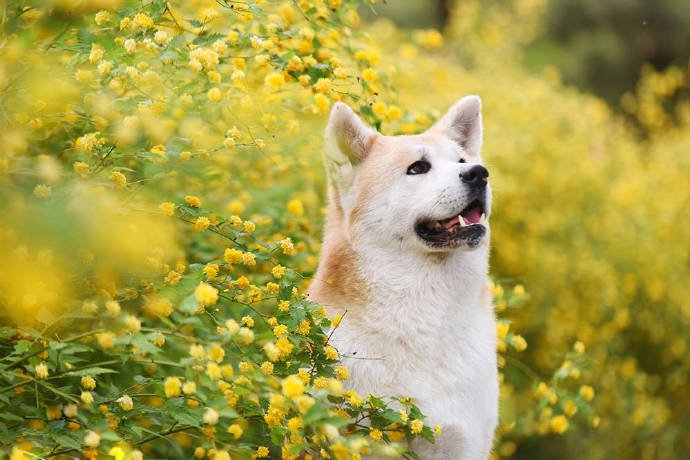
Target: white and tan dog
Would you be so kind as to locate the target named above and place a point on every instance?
(405, 252)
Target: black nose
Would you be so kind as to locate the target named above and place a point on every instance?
(475, 176)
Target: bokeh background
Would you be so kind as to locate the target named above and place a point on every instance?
(587, 136)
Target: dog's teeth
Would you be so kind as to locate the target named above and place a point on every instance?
(462, 221)
(482, 218)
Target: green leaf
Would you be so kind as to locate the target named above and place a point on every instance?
(189, 305)
(66, 440)
(278, 435)
(91, 371)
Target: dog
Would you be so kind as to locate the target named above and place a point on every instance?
(405, 257)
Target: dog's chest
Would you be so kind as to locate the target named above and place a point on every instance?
(431, 347)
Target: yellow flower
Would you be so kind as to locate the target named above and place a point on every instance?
(248, 321)
(342, 373)
(172, 387)
(248, 226)
(519, 342)
(92, 439)
(235, 430)
(102, 17)
(86, 397)
(304, 327)
(275, 79)
(133, 323)
(262, 452)
(213, 371)
(106, 340)
(376, 434)
(369, 75)
(292, 386)
(70, 410)
(232, 256)
(201, 224)
(214, 95)
(321, 103)
(437, 430)
(43, 191)
(272, 351)
(117, 452)
(570, 409)
(587, 392)
(81, 168)
(206, 294)
(88, 382)
(284, 305)
(125, 402)
(323, 85)
(295, 207)
(416, 426)
(267, 367)
(143, 21)
(211, 416)
(193, 201)
(215, 353)
(130, 45)
(232, 326)
(278, 271)
(280, 330)
(189, 388)
(248, 259)
(287, 246)
(167, 208)
(113, 306)
(559, 424)
(41, 371)
(331, 352)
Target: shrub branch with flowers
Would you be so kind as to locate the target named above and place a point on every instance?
(162, 187)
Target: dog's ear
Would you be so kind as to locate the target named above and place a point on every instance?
(348, 138)
(463, 124)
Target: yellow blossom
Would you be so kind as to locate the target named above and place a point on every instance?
(559, 424)
(206, 294)
(92, 439)
(342, 373)
(172, 387)
(292, 386)
(125, 402)
(86, 397)
(167, 208)
(215, 353)
(201, 224)
(275, 79)
(416, 426)
(235, 430)
(193, 201)
(41, 371)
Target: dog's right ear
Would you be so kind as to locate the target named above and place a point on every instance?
(348, 141)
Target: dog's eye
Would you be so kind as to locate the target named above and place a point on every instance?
(462, 160)
(418, 167)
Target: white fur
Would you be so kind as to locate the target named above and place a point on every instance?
(426, 328)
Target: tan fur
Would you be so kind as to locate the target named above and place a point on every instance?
(339, 284)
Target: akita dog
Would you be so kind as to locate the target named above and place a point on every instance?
(405, 253)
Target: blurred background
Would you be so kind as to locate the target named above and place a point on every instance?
(586, 108)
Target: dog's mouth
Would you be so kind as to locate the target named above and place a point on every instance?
(464, 229)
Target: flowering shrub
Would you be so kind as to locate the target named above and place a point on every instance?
(163, 189)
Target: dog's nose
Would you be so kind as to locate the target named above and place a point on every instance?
(475, 176)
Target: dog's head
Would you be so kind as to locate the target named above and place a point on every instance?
(427, 192)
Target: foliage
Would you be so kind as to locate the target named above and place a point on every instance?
(164, 191)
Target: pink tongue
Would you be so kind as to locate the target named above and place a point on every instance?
(451, 223)
(472, 216)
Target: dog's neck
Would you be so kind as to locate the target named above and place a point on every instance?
(353, 275)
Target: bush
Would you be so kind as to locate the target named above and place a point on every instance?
(162, 171)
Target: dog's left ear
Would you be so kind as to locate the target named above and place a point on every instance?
(463, 124)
